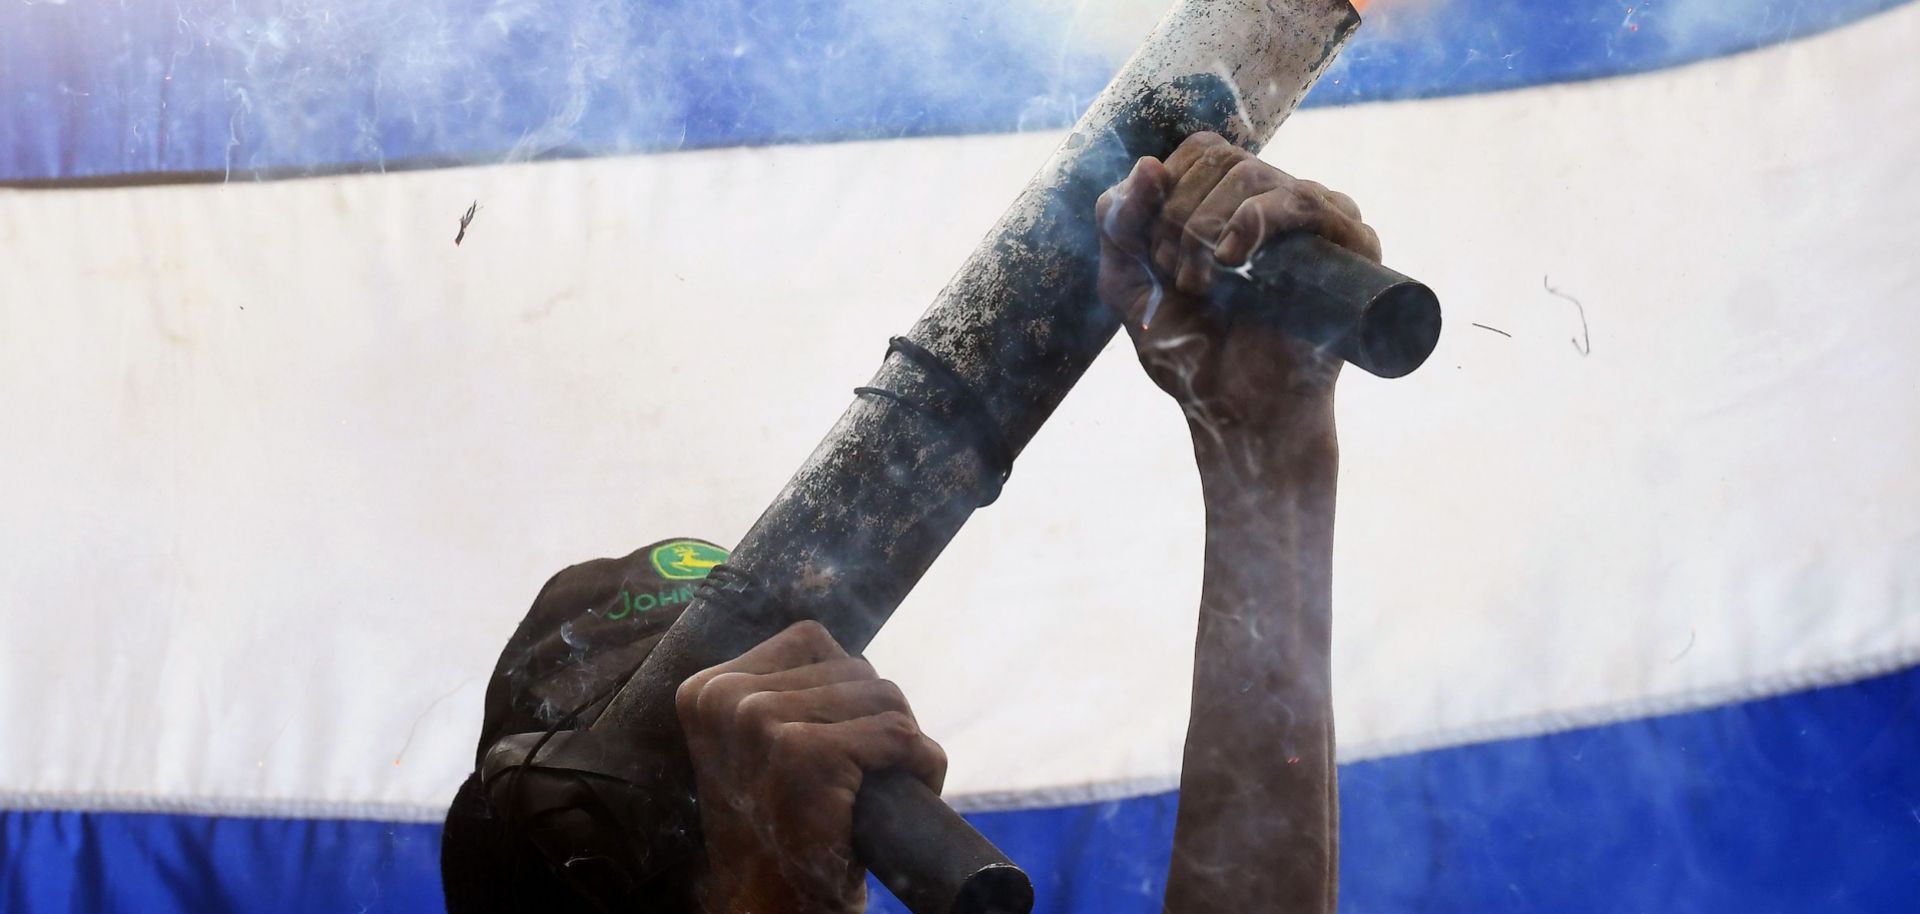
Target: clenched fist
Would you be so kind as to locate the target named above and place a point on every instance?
(781, 738)
(1166, 232)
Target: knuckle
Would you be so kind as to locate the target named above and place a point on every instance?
(891, 693)
(1249, 173)
(716, 699)
(1286, 207)
(792, 742)
(1222, 156)
(900, 724)
(814, 636)
(757, 713)
(786, 742)
(1207, 138)
(861, 668)
(686, 698)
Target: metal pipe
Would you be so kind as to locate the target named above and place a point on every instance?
(1319, 292)
(936, 430)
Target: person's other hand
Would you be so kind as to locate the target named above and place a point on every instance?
(781, 738)
(1167, 229)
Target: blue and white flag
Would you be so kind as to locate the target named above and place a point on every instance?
(330, 329)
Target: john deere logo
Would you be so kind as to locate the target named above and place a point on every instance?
(686, 560)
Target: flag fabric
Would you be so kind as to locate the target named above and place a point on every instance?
(330, 331)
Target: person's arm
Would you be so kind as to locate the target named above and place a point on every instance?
(1258, 822)
(781, 738)
(1258, 806)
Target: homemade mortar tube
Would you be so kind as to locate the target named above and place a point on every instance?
(933, 435)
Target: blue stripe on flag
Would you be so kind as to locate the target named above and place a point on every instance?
(218, 88)
(1804, 802)
(101, 863)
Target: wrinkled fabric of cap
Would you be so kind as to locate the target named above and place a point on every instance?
(590, 625)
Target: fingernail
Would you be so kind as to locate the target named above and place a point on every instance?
(1190, 280)
(1166, 257)
(1228, 250)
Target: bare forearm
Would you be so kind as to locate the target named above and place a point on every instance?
(1257, 827)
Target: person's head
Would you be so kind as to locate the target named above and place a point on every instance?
(545, 840)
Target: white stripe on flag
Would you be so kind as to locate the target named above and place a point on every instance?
(285, 466)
